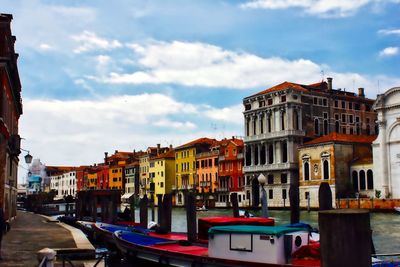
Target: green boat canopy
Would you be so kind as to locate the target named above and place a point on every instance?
(250, 229)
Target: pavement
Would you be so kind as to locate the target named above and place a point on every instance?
(32, 232)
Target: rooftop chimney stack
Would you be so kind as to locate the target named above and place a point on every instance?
(158, 148)
(105, 157)
(361, 92)
(329, 83)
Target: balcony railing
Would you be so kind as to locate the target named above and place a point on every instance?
(276, 134)
(271, 167)
(222, 189)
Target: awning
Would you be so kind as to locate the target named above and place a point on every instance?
(127, 195)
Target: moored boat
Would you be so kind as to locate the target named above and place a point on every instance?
(228, 246)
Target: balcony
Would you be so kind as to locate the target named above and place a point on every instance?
(222, 189)
(271, 167)
(276, 134)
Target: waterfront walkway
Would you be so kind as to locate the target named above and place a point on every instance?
(30, 233)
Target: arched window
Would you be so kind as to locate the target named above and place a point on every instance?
(269, 124)
(326, 169)
(337, 127)
(325, 127)
(316, 127)
(370, 180)
(284, 152)
(362, 180)
(295, 120)
(355, 180)
(248, 156)
(306, 171)
(262, 154)
(270, 154)
(256, 155)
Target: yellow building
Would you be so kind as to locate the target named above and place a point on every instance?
(92, 179)
(162, 173)
(116, 175)
(185, 167)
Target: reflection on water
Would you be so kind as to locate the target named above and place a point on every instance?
(385, 226)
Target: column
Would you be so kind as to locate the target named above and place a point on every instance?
(384, 161)
(277, 118)
(289, 116)
(259, 153)
(278, 152)
(300, 116)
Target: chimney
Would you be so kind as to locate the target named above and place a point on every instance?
(170, 147)
(105, 157)
(361, 92)
(116, 151)
(233, 138)
(158, 148)
(329, 83)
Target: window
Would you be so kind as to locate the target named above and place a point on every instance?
(343, 130)
(316, 127)
(254, 127)
(270, 179)
(270, 154)
(271, 194)
(336, 103)
(283, 98)
(326, 169)
(209, 162)
(295, 120)
(284, 194)
(325, 115)
(337, 126)
(324, 102)
(261, 103)
(370, 180)
(269, 101)
(343, 118)
(343, 104)
(351, 119)
(362, 180)
(283, 178)
(283, 122)
(284, 152)
(306, 167)
(325, 127)
(315, 101)
(162, 184)
(367, 108)
(357, 119)
(350, 105)
(306, 195)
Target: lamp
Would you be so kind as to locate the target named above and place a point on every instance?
(264, 204)
(28, 157)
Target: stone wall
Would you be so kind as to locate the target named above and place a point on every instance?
(368, 203)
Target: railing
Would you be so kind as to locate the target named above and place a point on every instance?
(275, 134)
(271, 167)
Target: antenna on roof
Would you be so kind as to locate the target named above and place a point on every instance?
(322, 74)
(214, 127)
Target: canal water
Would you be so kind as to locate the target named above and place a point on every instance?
(385, 226)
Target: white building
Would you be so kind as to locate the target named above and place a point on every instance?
(386, 148)
(64, 184)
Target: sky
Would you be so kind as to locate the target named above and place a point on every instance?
(122, 75)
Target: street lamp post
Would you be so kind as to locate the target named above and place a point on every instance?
(264, 204)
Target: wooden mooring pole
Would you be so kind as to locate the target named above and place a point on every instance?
(143, 212)
(294, 203)
(235, 205)
(191, 217)
(345, 237)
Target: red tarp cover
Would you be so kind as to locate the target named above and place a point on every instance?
(205, 223)
(191, 250)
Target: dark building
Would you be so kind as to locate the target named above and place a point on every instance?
(10, 111)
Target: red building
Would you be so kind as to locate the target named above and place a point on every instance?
(81, 178)
(10, 111)
(102, 177)
(230, 175)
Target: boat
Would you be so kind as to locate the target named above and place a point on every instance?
(237, 245)
(397, 209)
(203, 208)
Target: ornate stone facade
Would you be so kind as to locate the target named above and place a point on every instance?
(386, 148)
(285, 116)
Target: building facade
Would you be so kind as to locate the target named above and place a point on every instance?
(387, 146)
(10, 112)
(330, 159)
(185, 167)
(231, 178)
(64, 184)
(280, 119)
(207, 176)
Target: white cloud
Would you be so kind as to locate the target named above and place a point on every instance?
(89, 41)
(389, 52)
(232, 114)
(45, 47)
(323, 8)
(389, 32)
(200, 64)
(75, 132)
(175, 124)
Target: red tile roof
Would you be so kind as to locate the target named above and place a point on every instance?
(203, 140)
(342, 138)
(169, 154)
(282, 86)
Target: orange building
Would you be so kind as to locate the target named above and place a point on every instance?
(207, 176)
